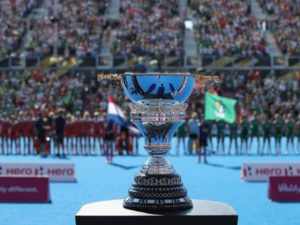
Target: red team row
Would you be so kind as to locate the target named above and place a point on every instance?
(72, 129)
(82, 136)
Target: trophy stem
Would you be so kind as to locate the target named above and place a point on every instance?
(157, 187)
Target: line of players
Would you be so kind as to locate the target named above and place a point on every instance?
(84, 135)
(242, 136)
(73, 135)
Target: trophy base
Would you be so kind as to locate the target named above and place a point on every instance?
(112, 213)
(157, 192)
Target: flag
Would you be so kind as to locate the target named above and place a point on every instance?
(219, 108)
(116, 115)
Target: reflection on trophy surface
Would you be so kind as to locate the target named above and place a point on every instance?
(157, 109)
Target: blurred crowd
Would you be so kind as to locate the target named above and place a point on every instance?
(37, 91)
(149, 28)
(224, 28)
(152, 29)
(285, 24)
(80, 28)
(75, 27)
(31, 101)
(266, 95)
(12, 24)
(25, 96)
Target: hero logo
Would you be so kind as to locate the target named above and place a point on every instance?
(262, 171)
(269, 171)
(60, 172)
(19, 171)
(56, 172)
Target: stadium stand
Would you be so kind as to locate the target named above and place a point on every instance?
(285, 24)
(149, 28)
(227, 28)
(80, 29)
(13, 25)
(50, 52)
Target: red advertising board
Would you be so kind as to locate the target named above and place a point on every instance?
(24, 189)
(284, 189)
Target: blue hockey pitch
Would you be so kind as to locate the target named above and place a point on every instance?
(219, 181)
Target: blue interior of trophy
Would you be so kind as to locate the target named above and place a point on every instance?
(170, 86)
(158, 108)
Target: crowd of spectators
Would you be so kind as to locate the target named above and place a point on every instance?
(12, 24)
(80, 27)
(285, 23)
(38, 91)
(227, 28)
(25, 96)
(152, 29)
(256, 95)
(149, 28)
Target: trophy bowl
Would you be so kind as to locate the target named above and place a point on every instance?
(149, 86)
(157, 109)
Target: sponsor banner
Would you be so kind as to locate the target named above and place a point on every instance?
(24, 189)
(260, 172)
(284, 189)
(57, 172)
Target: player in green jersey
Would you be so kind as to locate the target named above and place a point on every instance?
(277, 129)
(209, 127)
(266, 126)
(233, 137)
(289, 132)
(220, 136)
(244, 135)
(181, 136)
(255, 133)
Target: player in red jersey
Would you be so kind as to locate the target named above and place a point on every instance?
(77, 132)
(14, 135)
(83, 134)
(298, 134)
(21, 130)
(101, 136)
(109, 139)
(28, 134)
(89, 130)
(68, 134)
(4, 130)
(98, 132)
(124, 141)
(73, 136)
(50, 132)
(92, 133)
(1, 136)
(60, 123)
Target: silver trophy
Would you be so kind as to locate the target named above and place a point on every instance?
(157, 109)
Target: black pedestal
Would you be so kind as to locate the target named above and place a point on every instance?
(113, 213)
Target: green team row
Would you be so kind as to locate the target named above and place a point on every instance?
(255, 128)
